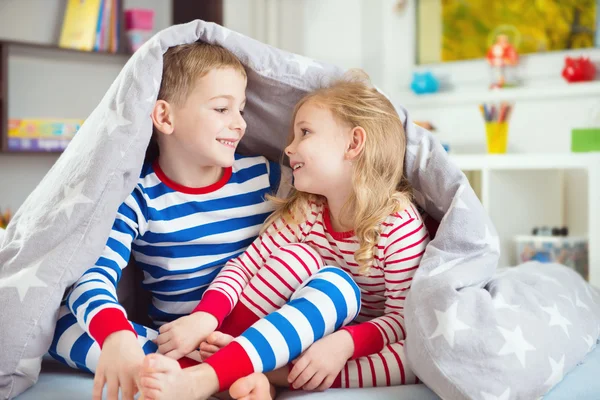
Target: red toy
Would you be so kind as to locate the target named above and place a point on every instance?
(502, 56)
(578, 69)
(502, 53)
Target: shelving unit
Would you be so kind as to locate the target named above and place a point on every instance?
(522, 191)
(43, 51)
(537, 92)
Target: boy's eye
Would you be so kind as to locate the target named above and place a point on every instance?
(221, 110)
(242, 112)
(304, 132)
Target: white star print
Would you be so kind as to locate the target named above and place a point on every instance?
(422, 154)
(457, 202)
(490, 240)
(448, 324)
(114, 119)
(304, 63)
(265, 72)
(73, 196)
(515, 344)
(445, 265)
(564, 296)
(580, 303)
(557, 371)
(589, 341)
(23, 280)
(503, 396)
(556, 319)
(155, 90)
(500, 303)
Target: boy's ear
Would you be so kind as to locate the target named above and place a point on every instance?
(357, 142)
(162, 117)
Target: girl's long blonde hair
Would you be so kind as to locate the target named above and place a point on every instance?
(380, 188)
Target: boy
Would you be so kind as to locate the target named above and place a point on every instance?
(196, 205)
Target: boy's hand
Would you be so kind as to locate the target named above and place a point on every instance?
(312, 371)
(118, 367)
(184, 335)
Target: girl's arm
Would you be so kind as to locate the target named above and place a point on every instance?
(404, 246)
(224, 292)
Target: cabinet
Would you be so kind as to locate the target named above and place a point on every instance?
(522, 191)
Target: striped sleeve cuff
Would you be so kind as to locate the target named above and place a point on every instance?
(367, 339)
(216, 304)
(107, 322)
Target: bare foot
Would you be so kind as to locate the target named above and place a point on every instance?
(255, 386)
(161, 378)
(214, 342)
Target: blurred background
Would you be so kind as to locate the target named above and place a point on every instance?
(511, 89)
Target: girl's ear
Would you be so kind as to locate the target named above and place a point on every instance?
(162, 117)
(358, 137)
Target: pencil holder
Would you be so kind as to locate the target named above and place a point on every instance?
(497, 137)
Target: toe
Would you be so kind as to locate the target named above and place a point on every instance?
(158, 363)
(152, 394)
(151, 382)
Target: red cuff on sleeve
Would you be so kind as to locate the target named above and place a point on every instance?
(108, 321)
(367, 339)
(216, 304)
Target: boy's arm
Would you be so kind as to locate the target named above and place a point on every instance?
(224, 292)
(403, 251)
(93, 299)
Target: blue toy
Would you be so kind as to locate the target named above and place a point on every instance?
(424, 82)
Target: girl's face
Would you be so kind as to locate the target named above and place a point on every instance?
(318, 152)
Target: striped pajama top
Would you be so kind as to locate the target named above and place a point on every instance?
(180, 237)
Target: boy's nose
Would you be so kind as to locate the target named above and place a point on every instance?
(239, 123)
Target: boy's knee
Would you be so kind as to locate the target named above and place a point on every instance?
(300, 253)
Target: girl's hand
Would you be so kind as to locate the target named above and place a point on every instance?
(118, 367)
(313, 371)
(184, 335)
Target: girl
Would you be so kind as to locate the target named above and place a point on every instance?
(350, 208)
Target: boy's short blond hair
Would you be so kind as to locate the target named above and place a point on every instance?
(183, 65)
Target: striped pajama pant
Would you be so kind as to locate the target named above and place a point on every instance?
(280, 313)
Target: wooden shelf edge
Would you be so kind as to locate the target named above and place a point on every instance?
(54, 47)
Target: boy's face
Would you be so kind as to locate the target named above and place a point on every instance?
(209, 125)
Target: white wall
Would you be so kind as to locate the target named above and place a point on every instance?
(50, 84)
(368, 34)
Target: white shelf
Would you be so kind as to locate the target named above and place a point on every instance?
(474, 162)
(549, 91)
(520, 191)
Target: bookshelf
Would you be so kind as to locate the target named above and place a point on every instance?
(521, 191)
(10, 47)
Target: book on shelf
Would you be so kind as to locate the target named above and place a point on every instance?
(91, 25)
(41, 135)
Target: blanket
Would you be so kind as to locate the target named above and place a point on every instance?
(516, 331)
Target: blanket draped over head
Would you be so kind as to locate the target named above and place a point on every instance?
(473, 332)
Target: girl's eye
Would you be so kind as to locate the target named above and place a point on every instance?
(304, 132)
(221, 110)
(242, 112)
